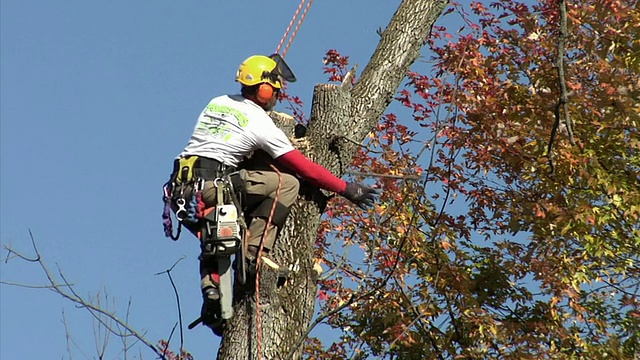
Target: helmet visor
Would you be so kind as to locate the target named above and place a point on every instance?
(282, 70)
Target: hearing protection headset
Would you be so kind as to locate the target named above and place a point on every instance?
(264, 93)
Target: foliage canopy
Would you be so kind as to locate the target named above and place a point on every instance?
(520, 237)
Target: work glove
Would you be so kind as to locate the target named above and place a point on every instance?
(360, 195)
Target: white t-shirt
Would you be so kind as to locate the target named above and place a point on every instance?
(231, 127)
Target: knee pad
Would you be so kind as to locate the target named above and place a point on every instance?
(263, 210)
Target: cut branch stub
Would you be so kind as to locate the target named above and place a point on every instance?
(284, 121)
(328, 126)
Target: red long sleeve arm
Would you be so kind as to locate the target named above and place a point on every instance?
(312, 172)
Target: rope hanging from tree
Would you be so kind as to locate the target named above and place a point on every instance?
(266, 231)
(295, 31)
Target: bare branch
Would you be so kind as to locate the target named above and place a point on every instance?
(67, 335)
(360, 145)
(67, 291)
(125, 339)
(69, 338)
(561, 78)
(172, 266)
(337, 266)
(175, 291)
(28, 286)
(390, 176)
(10, 250)
(563, 100)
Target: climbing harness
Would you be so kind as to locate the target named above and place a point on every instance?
(220, 228)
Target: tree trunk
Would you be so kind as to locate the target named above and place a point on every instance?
(341, 117)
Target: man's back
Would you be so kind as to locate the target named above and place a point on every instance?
(231, 127)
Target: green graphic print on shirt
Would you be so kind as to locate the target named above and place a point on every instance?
(217, 126)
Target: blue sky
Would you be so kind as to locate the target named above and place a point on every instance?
(97, 97)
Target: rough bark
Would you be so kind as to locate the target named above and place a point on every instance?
(341, 117)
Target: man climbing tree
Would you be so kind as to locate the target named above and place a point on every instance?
(234, 134)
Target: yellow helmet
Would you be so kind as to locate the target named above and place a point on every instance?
(258, 69)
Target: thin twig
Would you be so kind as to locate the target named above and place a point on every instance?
(102, 340)
(28, 286)
(175, 291)
(69, 338)
(6, 259)
(96, 314)
(173, 329)
(390, 176)
(359, 144)
(125, 339)
(552, 138)
(337, 266)
(67, 335)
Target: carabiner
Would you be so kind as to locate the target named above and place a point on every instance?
(199, 186)
(216, 180)
(181, 213)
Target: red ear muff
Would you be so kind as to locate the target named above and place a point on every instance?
(264, 94)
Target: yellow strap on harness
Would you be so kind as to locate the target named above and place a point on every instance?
(185, 172)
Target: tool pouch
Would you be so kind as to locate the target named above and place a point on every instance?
(183, 170)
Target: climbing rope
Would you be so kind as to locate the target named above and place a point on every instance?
(295, 31)
(258, 261)
(306, 4)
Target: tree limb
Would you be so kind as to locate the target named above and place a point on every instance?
(67, 291)
(563, 100)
